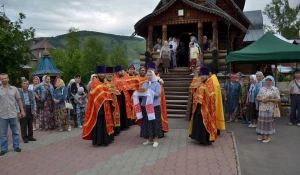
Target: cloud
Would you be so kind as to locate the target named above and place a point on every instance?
(55, 17)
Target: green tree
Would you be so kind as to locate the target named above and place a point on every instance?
(284, 18)
(118, 57)
(93, 54)
(14, 47)
(73, 41)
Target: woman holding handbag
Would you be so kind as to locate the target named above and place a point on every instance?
(268, 97)
(61, 114)
(46, 89)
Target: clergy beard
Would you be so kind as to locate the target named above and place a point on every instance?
(101, 78)
(204, 78)
(142, 75)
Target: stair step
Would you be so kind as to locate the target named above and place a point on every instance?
(177, 79)
(177, 76)
(177, 93)
(175, 106)
(176, 97)
(175, 111)
(177, 73)
(177, 102)
(176, 116)
(178, 84)
(176, 89)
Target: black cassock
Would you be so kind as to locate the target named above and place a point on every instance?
(199, 132)
(100, 135)
(125, 122)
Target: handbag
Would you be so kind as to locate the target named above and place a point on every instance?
(277, 111)
(67, 104)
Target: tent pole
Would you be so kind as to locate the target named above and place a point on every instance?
(275, 74)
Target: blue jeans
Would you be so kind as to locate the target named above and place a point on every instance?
(13, 124)
(2, 124)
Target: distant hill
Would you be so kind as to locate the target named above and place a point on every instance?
(132, 45)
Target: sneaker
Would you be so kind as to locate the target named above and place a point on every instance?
(80, 126)
(253, 126)
(298, 124)
(250, 126)
(18, 150)
(261, 139)
(147, 143)
(34, 129)
(3, 152)
(155, 144)
(192, 74)
(61, 130)
(70, 128)
(248, 122)
(266, 140)
(290, 124)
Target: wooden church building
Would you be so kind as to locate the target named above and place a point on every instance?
(222, 21)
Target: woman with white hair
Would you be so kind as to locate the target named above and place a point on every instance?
(151, 127)
(252, 111)
(268, 97)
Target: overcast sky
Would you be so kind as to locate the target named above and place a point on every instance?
(55, 17)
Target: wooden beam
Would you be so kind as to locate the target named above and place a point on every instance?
(200, 34)
(215, 35)
(164, 33)
(150, 37)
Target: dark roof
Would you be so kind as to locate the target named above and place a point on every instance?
(199, 7)
(240, 3)
(253, 35)
(47, 67)
(6, 19)
(256, 19)
(41, 45)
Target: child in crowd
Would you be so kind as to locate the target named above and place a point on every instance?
(80, 101)
(243, 100)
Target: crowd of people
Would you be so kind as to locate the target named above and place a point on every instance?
(174, 53)
(103, 109)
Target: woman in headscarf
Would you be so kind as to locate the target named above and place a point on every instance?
(61, 115)
(268, 97)
(151, 129)
(232, 90)
(36, 82)
(45, 89)
(91, 80)
(165, 55)
(252, 112)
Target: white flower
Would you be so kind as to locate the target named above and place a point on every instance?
(161, 81)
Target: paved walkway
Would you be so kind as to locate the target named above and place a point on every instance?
(64, 153)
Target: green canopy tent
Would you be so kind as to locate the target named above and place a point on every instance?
(268, 49)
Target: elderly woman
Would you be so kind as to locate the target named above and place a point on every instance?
(36, 82)
(152, 129)
(165, 56)
(90, 83)
(60, 95)
(231, 93)
(268, 97)
(252, 112)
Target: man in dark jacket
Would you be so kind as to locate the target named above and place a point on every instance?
(74, 88)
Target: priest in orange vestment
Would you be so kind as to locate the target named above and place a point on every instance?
(115, 93)
(163, 104)
(126, 85)
(98, 122)
(203, 122)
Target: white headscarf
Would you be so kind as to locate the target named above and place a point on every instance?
(71, 82)
(254, 77)
(154, 78)
(44, 80)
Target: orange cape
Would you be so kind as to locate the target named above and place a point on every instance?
(205, 95)
(98, 96)
(163, 108)
(219, 103)
(114, 92)
(127, 84)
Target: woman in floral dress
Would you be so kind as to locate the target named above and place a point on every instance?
(47, 120)
(268, 97)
